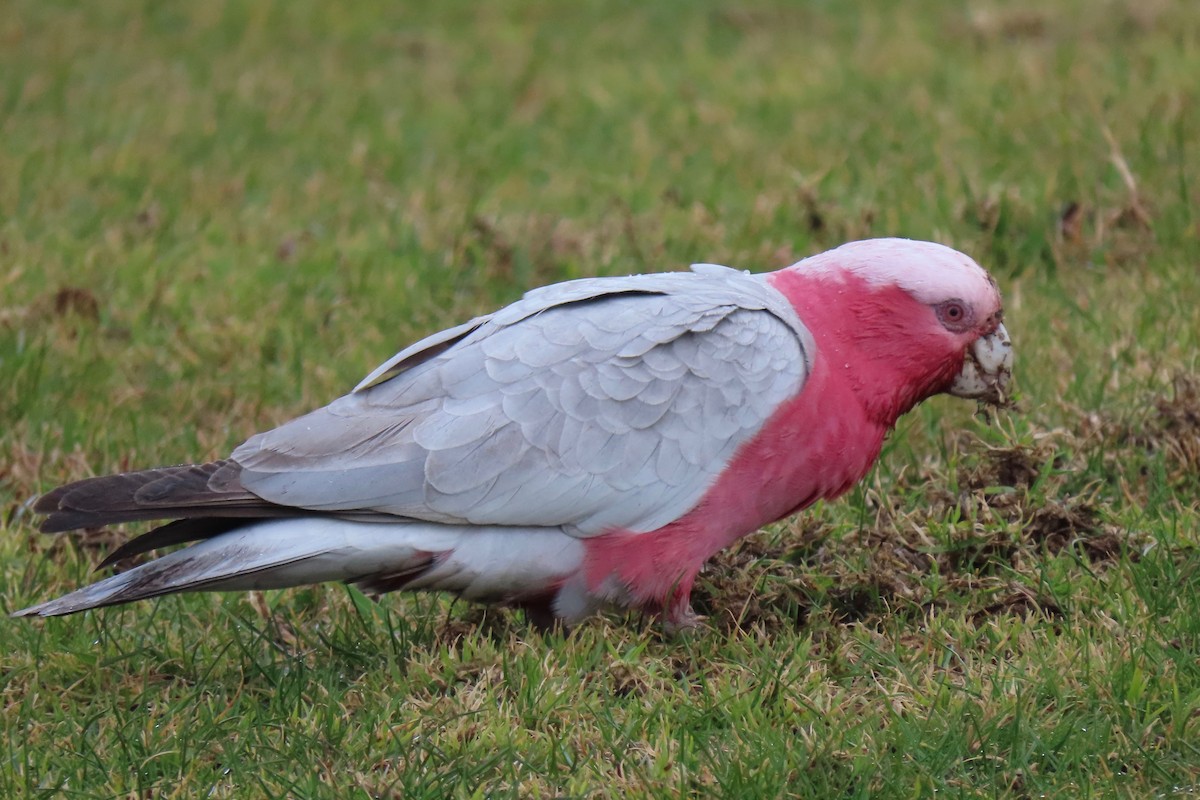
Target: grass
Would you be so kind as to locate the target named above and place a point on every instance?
(216, 216)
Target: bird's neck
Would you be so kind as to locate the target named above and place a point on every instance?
(867, 337)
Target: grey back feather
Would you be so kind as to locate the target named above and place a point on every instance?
(590, 405)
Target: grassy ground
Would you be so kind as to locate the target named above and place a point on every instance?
(215, 216)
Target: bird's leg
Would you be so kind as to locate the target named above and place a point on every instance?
(677, 614)
(541, 616)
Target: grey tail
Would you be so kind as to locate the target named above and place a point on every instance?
(239, 555)
(206, 502)
(233, 561)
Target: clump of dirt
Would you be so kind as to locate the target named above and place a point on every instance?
(1016, 467)
(1023, 488)
(1018, 600)
(1064, 523)
(1173, 428)
(882, 568)
(73, 300)
(748, 587)
(625, 677)
(471, 620)
(857, 602)
(1165, 427)
(69, 306)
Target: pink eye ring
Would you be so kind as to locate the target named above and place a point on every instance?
(954, 314)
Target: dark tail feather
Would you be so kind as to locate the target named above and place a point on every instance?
(181, 531)
(196, 490)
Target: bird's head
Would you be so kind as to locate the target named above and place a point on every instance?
(908, 319)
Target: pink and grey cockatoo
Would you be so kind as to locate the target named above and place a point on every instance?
(592, 444)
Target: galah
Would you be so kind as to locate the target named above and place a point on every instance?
(593, 444)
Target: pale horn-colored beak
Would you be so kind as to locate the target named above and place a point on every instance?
(987, 371)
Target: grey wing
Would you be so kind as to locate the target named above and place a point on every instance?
(591, 405)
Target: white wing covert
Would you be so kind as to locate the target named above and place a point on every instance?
(591, 405)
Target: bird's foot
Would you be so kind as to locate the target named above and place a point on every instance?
(681, 620)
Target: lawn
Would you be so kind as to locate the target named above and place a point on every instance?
(214, 216)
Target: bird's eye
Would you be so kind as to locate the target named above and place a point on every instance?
(954, 314)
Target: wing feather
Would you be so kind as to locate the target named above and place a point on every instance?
(590, 405)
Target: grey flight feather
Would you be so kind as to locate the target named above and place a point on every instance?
(591, 405)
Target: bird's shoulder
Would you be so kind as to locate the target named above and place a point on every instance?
(612, 315)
